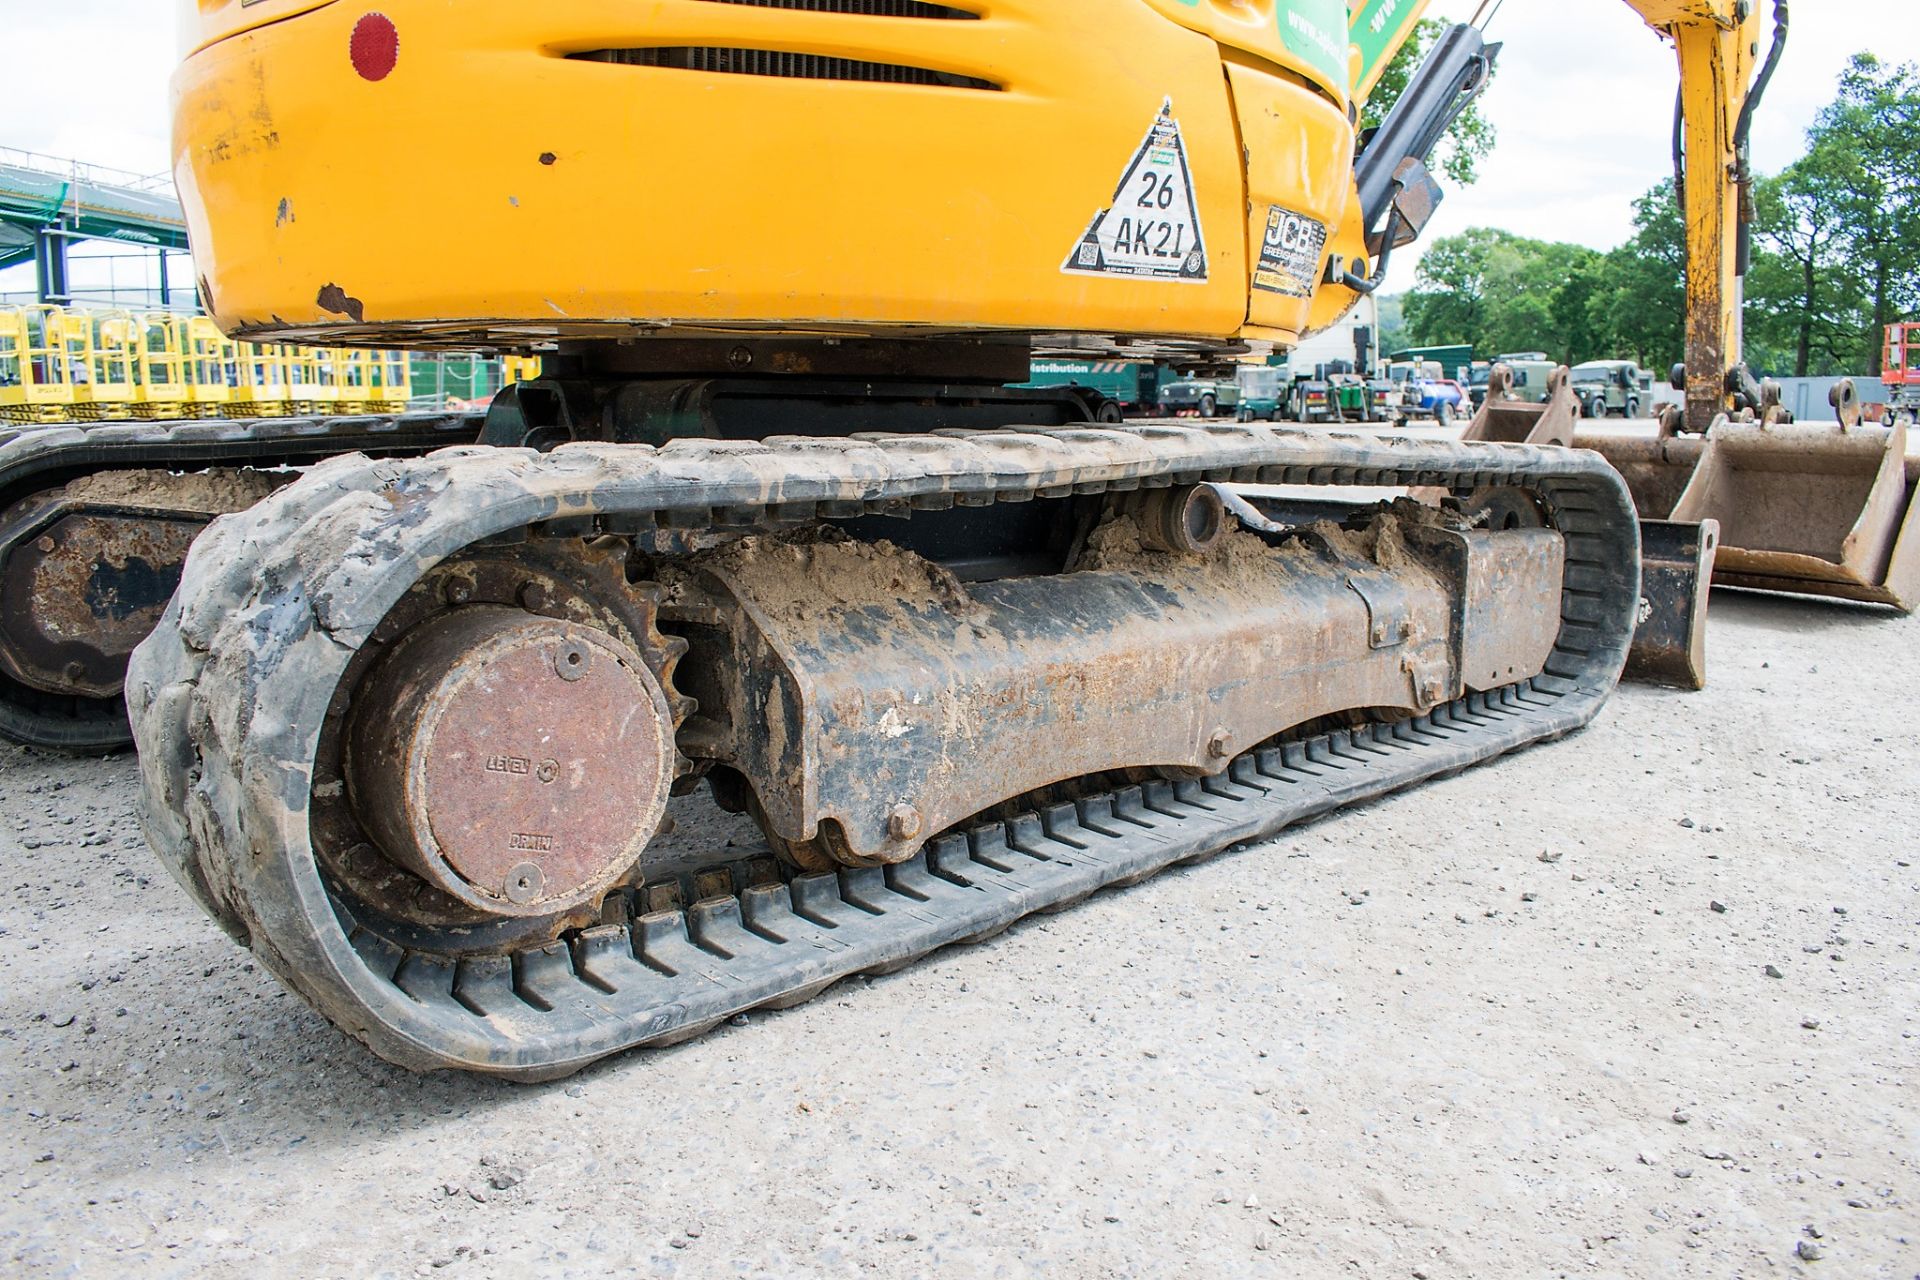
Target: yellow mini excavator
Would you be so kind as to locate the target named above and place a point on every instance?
(770, 518)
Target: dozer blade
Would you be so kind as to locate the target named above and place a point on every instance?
(381, 651)
(1815, 508)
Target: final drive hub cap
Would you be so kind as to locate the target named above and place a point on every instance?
(518, 763)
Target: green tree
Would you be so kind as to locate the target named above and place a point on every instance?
(1472, 136)
(1637, 309)
(1449, 303)
(1578, 339)
(1802, 308)
(1836, 257)
(1393, 324)
(1503, 293)
(1867, 142)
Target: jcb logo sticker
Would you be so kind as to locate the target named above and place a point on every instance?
(1290, 253)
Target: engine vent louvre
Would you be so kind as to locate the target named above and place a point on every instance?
(864, 8)
(771, 62)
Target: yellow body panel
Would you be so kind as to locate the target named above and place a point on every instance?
(612, 196)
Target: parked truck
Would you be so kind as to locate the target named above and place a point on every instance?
(1132, 386)
(1262, 392)
(1423, 390)
(1329, 392)
(1531, 372)
(1609, 388)
(1199, 396)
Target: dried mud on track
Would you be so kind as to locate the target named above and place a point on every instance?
(1492, 1027)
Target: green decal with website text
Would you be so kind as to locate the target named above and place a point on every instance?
(1379, 28)
(1316, 30)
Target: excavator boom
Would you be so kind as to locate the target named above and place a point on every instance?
(1717, 44)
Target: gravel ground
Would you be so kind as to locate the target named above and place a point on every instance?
(1518, 1023)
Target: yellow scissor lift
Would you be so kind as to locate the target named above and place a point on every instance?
(263, 382)
(212, 368)
(371, 381)
(392, 383)
(106, 345)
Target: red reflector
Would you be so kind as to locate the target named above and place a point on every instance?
(375, 46)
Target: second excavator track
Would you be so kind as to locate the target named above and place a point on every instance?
(231, 700)
(36, 463)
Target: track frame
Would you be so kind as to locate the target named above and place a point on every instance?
(230, 694)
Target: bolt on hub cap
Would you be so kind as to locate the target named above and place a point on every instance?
(519, 764)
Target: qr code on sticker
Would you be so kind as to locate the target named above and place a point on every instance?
(1089, 255)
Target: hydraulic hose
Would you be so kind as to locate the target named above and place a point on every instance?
(1742, 132)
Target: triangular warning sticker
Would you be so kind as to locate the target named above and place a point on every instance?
(1152, 231)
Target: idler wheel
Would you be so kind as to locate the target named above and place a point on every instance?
(519, 764)
(1190, 519)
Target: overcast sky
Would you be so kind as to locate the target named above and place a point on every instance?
(1584, 105)
(1583, 102)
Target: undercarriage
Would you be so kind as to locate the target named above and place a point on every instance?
(410, 727)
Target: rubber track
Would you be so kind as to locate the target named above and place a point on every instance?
(229, 694)
(34, 458)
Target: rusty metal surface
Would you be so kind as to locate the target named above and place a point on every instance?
(1504, 420)
(1802, 502)
(232, 698)
(1189, 519)
(1676, 570)
(1508, 623)
(86, 569)
(154, 475)
(1903, 572)
(76, 600)
(1821, 509)
(556, 580)
(868, 694)
(1657, 470)
(518, 764)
